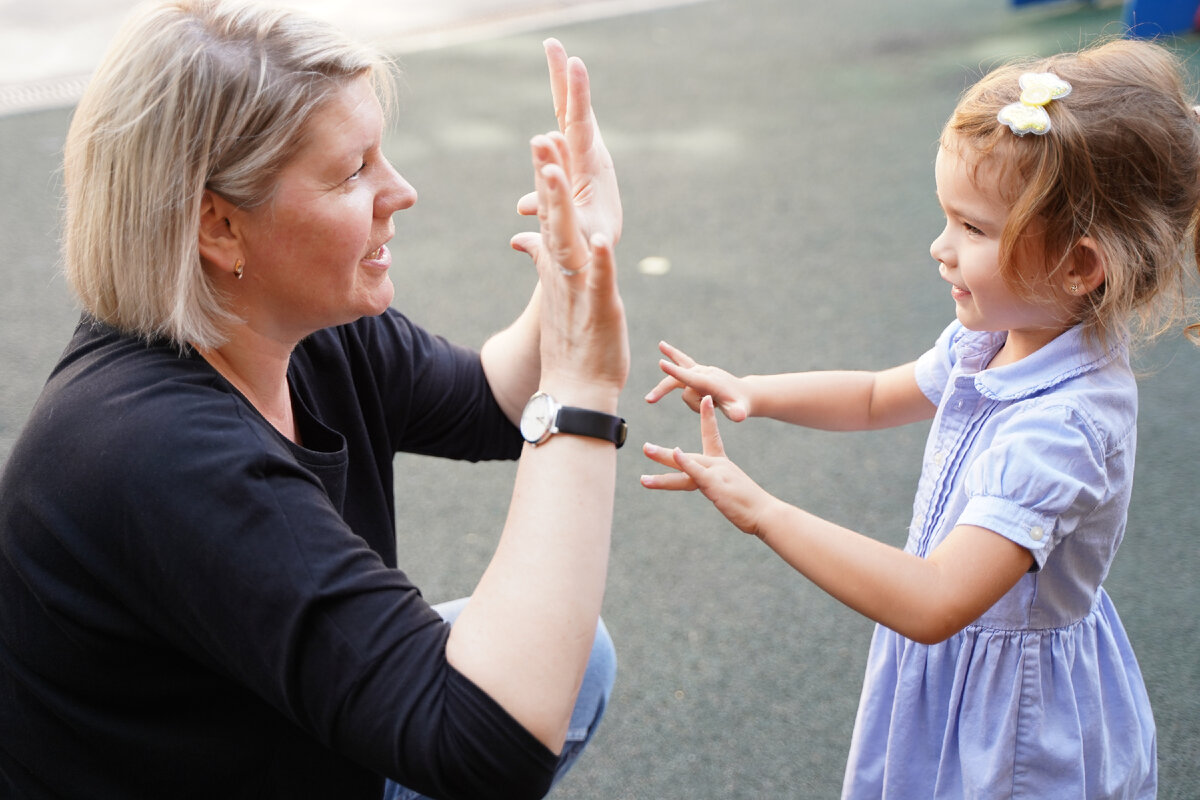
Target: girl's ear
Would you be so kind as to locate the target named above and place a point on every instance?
(1086, 273)
(219, 246)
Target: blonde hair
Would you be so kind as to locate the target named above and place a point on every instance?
(192, 95)
(1121, 165)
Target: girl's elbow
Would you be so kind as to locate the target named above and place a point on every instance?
(932, 636)
(933, 629)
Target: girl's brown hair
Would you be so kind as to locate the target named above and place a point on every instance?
(1121, 165)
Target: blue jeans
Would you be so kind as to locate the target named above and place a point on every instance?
(589, 705)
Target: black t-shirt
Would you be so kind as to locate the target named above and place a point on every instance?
(193, 606)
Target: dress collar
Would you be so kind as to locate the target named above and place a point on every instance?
(1064, 357)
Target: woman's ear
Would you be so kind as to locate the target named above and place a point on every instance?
(1086, 273)
(219, 245)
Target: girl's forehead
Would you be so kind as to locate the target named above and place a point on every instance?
(984, 173)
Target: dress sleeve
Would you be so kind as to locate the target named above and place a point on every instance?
(935, 364)
(1043, 473)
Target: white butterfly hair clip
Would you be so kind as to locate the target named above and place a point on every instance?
(1029, 115)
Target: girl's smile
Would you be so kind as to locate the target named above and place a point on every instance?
(968, 256)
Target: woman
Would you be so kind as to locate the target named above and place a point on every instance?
(198, 583)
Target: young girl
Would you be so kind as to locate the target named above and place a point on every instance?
(999, 667)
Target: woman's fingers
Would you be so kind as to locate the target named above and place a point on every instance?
(556, 62)
(556, 212)
(579, 124)
(566, 107)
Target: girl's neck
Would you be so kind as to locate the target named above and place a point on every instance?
(1019, 344)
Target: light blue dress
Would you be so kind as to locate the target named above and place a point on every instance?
(1040, 697)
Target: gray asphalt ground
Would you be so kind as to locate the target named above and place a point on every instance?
(779, 154)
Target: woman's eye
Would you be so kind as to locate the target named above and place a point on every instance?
(358, 171)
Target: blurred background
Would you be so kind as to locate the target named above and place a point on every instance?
(776, 163)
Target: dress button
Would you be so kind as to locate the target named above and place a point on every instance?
(1036, 533)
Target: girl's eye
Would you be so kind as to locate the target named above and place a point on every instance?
(971, 229)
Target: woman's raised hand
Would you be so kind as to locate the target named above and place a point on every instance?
(584, 341)
(593, 181)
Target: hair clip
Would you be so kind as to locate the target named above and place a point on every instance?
(1029, 115)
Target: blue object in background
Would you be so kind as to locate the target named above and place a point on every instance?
(1150, 18)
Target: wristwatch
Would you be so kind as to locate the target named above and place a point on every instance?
(544, 416)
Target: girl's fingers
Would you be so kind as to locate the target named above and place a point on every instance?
(659, 454)
(671, 482)
(664, 388)
(674, 481)
(694, 388)
(675, 354)
(710, 436)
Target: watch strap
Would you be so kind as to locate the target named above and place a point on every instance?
(585, 422)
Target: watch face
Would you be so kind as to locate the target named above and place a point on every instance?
(538, 418)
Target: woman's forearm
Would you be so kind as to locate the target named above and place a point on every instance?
(512, 359)
(526, 634)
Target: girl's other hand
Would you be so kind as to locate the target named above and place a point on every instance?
(740, 499)
(699, 381)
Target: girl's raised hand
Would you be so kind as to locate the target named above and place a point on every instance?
(699, 381)
(593, 179)
(740, 499)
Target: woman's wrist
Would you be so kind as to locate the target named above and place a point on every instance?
(590, 394)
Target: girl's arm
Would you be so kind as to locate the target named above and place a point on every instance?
(924, 599)
(829, 400)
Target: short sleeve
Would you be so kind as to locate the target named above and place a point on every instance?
(1044, 471)
(934, 365)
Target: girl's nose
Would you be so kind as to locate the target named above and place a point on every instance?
(939, 249)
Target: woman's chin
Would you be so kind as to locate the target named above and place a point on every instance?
(380, 298)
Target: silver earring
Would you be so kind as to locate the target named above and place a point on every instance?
(1074, 286)
(238, 269)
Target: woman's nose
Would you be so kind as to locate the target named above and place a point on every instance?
(396, 196)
